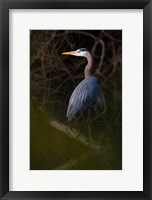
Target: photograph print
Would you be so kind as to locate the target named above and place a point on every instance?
(75, 99)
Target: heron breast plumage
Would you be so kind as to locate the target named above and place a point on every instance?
(83, 97)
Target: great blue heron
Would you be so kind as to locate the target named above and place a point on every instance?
(86, 92)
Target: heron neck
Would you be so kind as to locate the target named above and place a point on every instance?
(87, 70)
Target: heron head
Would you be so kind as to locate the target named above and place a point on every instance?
(82, 52)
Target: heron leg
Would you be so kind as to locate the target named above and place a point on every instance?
(84, 121)
(76, 122)
(89, 124)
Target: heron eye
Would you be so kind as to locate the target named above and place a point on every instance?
(78, 51)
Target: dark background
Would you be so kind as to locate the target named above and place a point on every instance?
(53, 77)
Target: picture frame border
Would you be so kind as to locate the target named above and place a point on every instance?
(5, 5)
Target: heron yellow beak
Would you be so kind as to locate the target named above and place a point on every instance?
(69, 53)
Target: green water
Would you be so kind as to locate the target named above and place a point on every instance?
(50, 148)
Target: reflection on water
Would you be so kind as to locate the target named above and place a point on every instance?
(51, 149)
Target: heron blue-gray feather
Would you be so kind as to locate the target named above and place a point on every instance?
(83, 97)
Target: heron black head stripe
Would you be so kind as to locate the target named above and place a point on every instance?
(83, 49)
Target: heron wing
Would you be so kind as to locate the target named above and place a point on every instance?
(84, 95)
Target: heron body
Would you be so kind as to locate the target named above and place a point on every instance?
(87, 91)
(83, 97)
